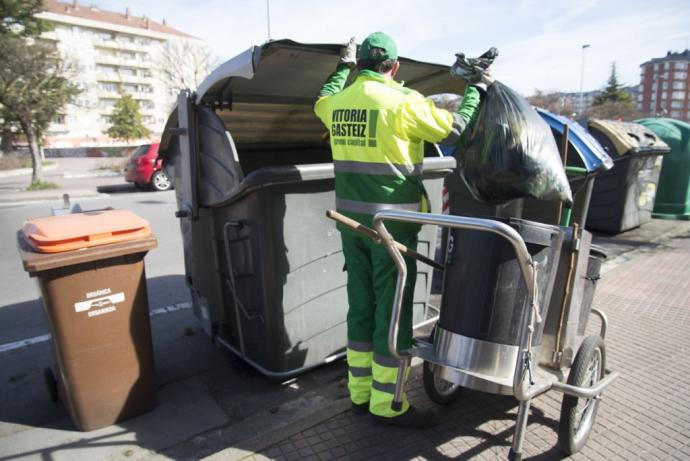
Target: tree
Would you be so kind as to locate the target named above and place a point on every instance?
(33, 88)
(183, 64)
(7, 127)
(553, 102)
(613, 102)
(614, 90)
(18, 18)
(126, 120)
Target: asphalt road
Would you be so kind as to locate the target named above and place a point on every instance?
(20, 312)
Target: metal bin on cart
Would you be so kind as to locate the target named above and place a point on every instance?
(623, 198)
(254, 177)
(90, 271)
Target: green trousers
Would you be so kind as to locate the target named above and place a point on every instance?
(371, 281)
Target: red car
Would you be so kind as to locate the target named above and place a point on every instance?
(144, 169)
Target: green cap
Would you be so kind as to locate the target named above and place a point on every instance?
(378, 40)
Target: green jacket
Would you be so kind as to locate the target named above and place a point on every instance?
(377, 131)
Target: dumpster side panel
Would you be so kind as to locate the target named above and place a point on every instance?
(99, 319)
(286, 260)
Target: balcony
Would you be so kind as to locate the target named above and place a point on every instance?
(123, 62)
(121, 78)
(116, 45)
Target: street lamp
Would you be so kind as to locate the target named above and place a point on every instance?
(268, 18)
(582, 80)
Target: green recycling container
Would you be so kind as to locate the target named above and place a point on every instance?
(673, 195)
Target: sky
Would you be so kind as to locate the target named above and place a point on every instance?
(539, 42)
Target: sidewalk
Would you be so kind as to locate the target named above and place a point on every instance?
(213, 404)
(645, 414)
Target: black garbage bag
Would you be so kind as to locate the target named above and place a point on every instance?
(511, 152)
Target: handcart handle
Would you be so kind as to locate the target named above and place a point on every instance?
(525, 262)
(373, 235)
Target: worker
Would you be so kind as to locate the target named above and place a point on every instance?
(377, 131)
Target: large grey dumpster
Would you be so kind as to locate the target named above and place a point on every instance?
(254, 178)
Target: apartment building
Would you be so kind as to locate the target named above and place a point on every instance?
(664, 85)
(108, 53)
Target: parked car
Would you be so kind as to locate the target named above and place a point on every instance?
(144, 169)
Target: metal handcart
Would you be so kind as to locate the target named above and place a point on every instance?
(534, 343)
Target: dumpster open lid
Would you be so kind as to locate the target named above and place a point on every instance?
(629, 138)
(53, 234)
(266, 94)
(594, 157)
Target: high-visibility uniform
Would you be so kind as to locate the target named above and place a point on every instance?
(377, 128)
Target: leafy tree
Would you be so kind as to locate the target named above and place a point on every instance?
(33, 88)
(18, 18)
(7, 126)
(614, 90)
(126, 120)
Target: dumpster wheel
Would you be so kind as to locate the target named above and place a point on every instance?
(578, 414)
(439, 390)
(51, 384)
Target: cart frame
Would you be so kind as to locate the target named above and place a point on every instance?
(525, 385)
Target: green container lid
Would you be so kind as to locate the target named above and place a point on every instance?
(673, 195)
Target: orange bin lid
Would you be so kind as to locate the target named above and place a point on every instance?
(54, 234)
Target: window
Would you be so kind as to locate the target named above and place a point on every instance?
(106, 69)
(678, 95)
(653, 96)
(678, 85)
(105, 119)
(675, 113)
(656, 66)
(681, 66)
(680, 75)
(107, 103)
(664, 76)
(666, 65)
(60, 119)
(129, 72)
(664, 86)
(677, 104)
(108, 86)
(664, 95)
(639, 96)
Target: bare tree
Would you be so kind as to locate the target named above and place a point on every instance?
(183, 64)
(553, 102)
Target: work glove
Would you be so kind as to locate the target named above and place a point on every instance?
(348, 54)
(475, 71)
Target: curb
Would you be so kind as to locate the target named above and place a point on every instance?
(102, 174)
(16, 201)
(25, 171)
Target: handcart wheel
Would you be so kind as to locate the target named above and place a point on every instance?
(439, 390)
(51, 384)
(578, 414)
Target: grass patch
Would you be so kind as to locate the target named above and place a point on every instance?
(42, 185)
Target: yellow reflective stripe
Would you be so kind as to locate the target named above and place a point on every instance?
(383, 388)
(359, 359)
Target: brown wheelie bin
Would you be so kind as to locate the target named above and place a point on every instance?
(90, 271)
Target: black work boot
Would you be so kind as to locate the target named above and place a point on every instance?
(360, 408)
(411, 419)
